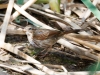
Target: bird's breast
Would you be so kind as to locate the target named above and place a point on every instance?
(44, 43)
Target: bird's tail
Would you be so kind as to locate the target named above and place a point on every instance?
(73, 31)
(70, 31)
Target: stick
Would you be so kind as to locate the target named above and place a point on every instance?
(12, 68)
(79, 50)
(30, 17)
(87, 14)
(6, 21)
(86, 37)
(83, 42)
(15, 50)
(25, 6)
(48, 15)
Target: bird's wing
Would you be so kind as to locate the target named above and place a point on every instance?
(43, 34)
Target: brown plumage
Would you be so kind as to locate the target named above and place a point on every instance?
(44, 38)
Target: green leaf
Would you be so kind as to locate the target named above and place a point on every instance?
(33, 23)
(55, 5)
(20, 2)
(42, 1)
(17, 19)
(92, 8)
(94, 67)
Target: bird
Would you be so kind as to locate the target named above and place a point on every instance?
(44, 38)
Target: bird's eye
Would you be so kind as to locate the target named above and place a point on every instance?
(30, 28)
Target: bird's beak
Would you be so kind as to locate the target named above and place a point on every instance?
(24, 30)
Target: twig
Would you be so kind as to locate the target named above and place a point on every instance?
(86, 37)
(12, 68)
(75, 26)
(57, 66)
(30, 17)
(87, 14)
(15, 50)
(40, 23)
(38, 7)
(77, 49)
(15, 29)
(30, 70)
(88, 23)
(2, 15)
(25, 6)
(6, 21)
(2, 6)
(48, 15)
(83, 42)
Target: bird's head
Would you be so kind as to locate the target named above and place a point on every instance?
(29, 28)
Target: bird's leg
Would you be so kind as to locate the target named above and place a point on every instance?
(44, 53)
(47, 51)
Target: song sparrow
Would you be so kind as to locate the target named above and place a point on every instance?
(44, 38)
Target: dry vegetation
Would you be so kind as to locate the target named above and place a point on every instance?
(72, 52)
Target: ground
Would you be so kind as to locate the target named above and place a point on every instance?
(54, 58)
